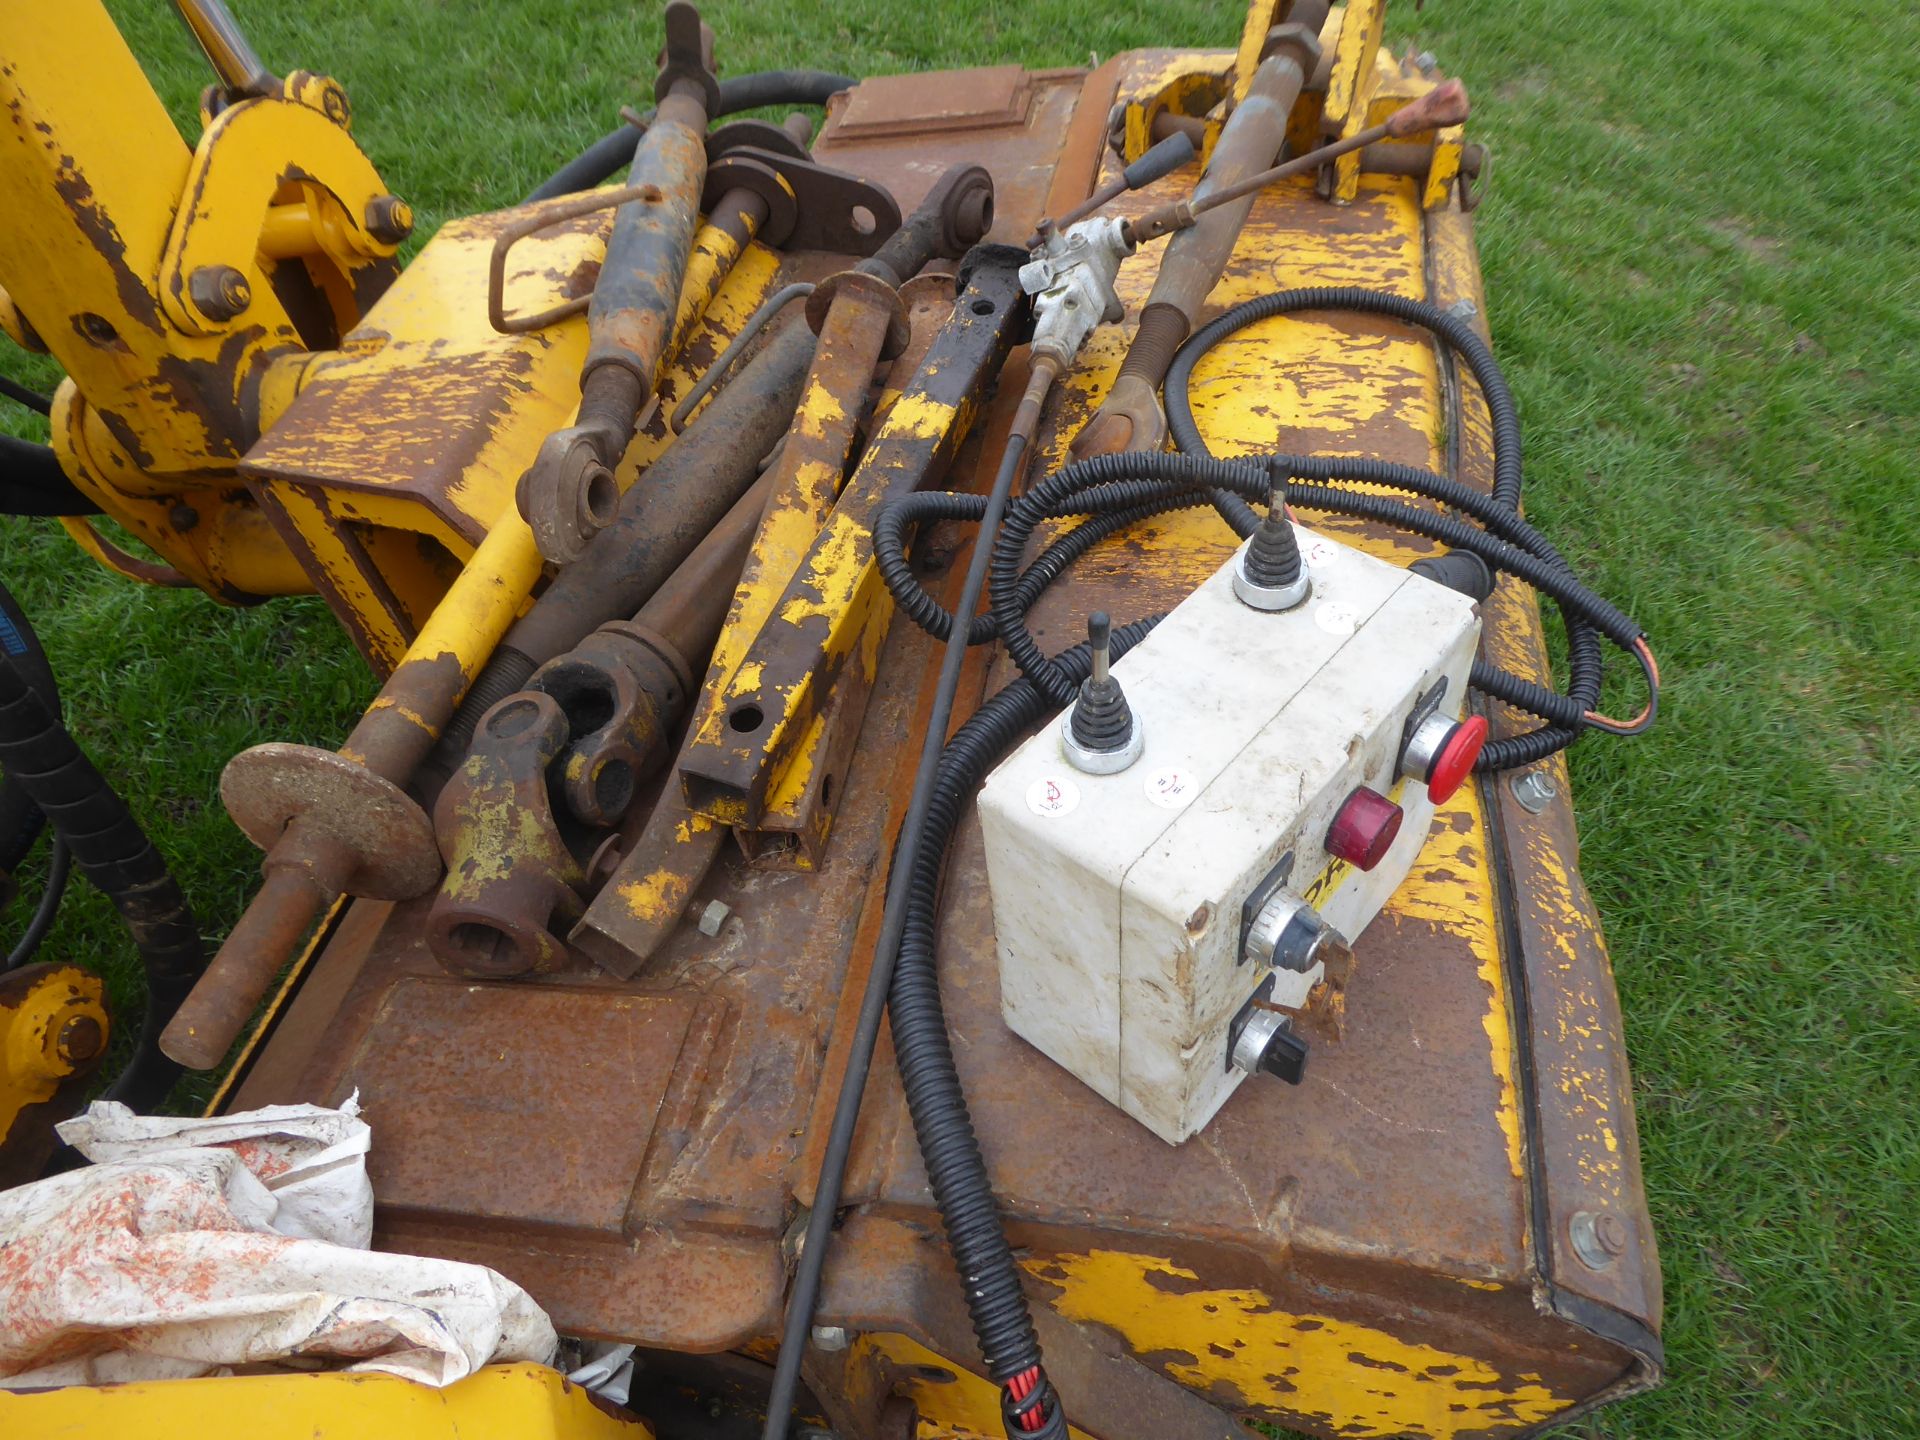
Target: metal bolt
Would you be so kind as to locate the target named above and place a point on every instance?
(80, 1039)
(1426, 62)
(829, 1337)
(1598, 1239)
(333, 101)
(219, 292)
(389, 219)
(1463, 309)
(1534, 789)
(183, 517)
(713, 917)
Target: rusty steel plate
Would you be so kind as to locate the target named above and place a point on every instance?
(1382, 1250)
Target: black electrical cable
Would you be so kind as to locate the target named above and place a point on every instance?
(59, 868)
(21, 395)
(613, 152)
(1110, 487)
(1113, 492)
(989, 1278)
(1568, 714)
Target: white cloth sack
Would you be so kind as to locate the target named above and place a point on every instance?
(197, 1245)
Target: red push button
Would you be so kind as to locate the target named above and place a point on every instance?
(1363, 831)
(1455, 761)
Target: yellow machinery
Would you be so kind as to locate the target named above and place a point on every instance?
(588, 907)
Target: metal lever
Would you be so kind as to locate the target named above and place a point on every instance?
(1445, 104)
(1158, 163)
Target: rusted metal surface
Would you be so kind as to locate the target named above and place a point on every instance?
(823, 209)
(536, 219)
(881, 133)
(1131, 418)
(865, 316)
(339, 823)
(511, 880)
(1576, 1093)
(624, 689)
(567, 495)
(1383, 1221)
(892, 1267)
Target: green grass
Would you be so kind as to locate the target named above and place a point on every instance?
(1702, 249)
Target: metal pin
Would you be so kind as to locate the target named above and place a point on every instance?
(1099, 637)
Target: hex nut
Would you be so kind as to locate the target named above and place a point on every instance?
(713, 917)
(219, 292)
(389, 219)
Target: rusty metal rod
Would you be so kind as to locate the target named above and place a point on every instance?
(749, 332)
(732, 225)
(314, 860)
(1130, 417)
(1445, 104)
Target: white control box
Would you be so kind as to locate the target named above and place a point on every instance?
(1118, 899)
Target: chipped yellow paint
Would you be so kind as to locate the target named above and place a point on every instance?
(709, 262)
(1444, 168)
(1253, 38)
(954, 1403)
(1450, 886)
(1358, 67)
(1355, 1379)
(1350, 82)
(659, 896)
(806, 486)
(385, 702)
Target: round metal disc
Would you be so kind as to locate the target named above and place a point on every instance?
(338, 801)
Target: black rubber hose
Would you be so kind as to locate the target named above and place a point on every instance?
(1115, 484)
(889, 549)
(32, 482)
(21, 395)
(613, 152)
(20, 819)
(115, 854)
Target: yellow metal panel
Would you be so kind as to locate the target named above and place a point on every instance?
(1359, 1380)
(501, 1402)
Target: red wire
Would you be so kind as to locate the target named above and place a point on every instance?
(1021, 1386)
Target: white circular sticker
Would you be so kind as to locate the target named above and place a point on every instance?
(1052, 796)
(1335, 618)
(1171, 789)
